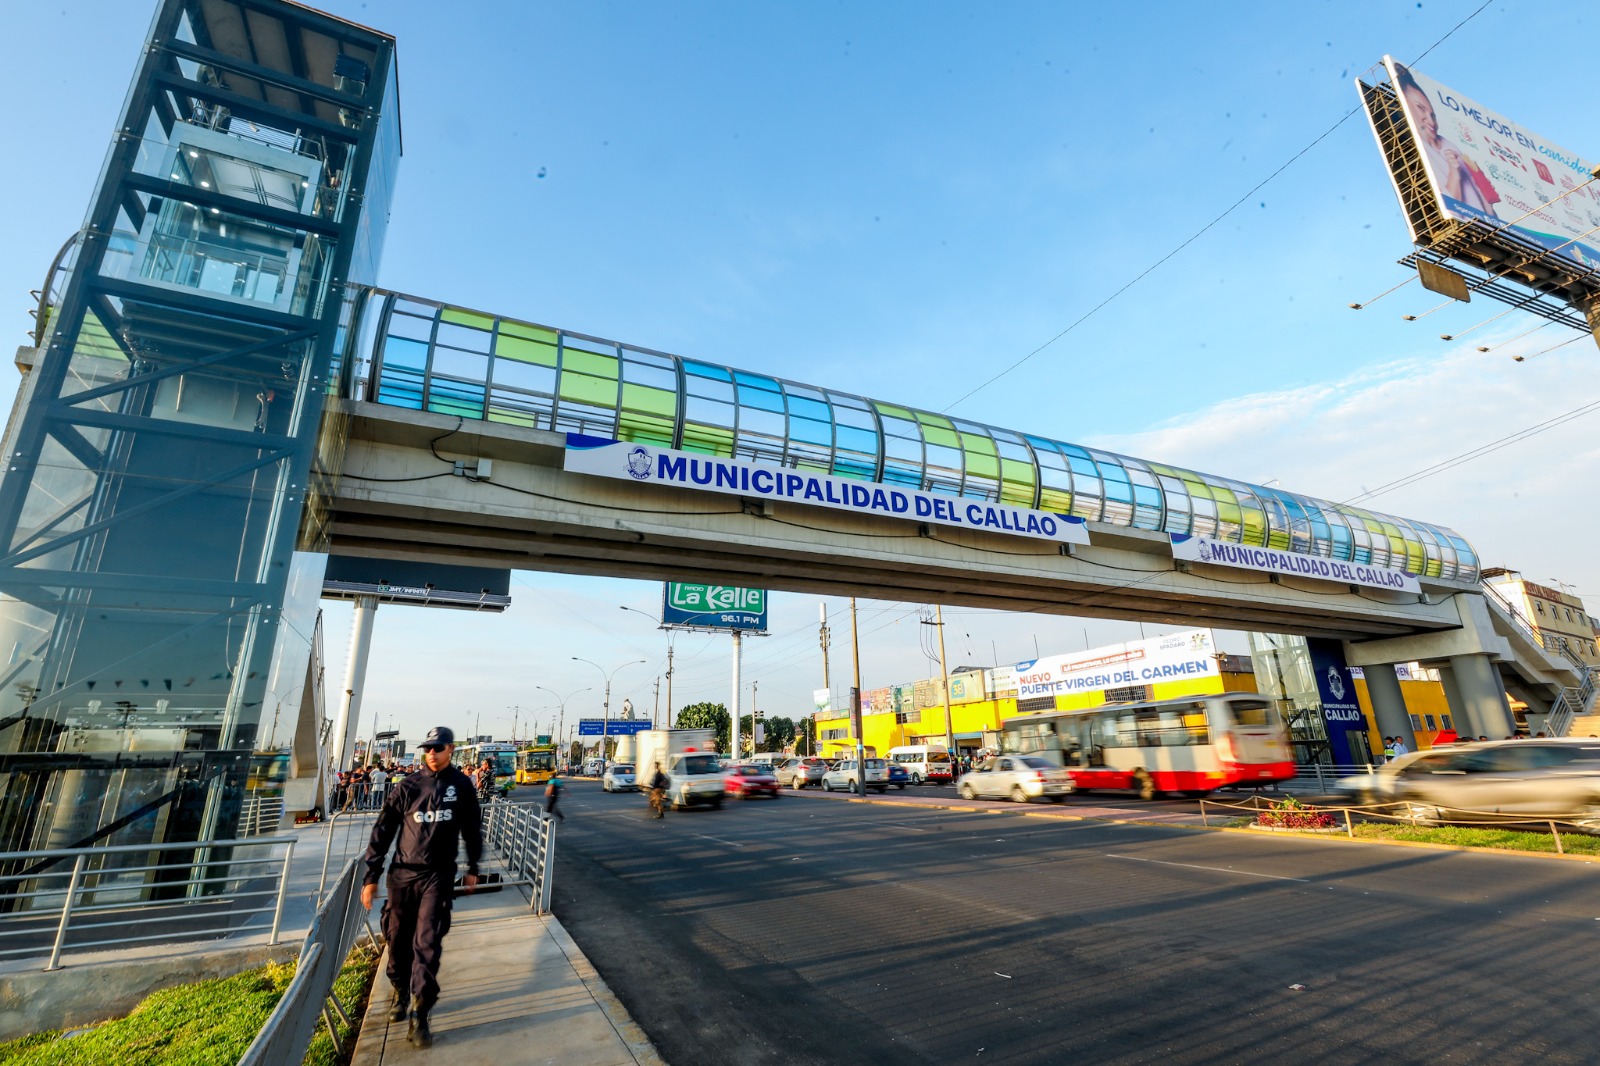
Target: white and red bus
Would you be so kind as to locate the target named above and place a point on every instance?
(1187, 746)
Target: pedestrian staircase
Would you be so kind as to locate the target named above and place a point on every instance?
(1572, 704)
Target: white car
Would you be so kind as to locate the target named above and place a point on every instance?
(619, 778)
(843, 776)
(694, 778)
(1017, 777)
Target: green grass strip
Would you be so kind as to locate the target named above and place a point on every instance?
(208, 1023)
(1572, 843)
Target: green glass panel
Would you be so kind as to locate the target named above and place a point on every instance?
(581, 362)
(894, 412)
(513, 417)
(467, 318)
(525, 350)
(1278, 538)
(650, 399)
(1055, 500)
(1255, 527)
(978, 445)
(509, 328)
(1228, 511)
(983, 465)
(645, 429)
(709, 440)
(581, 388)
(446, 405)
(1017, 472)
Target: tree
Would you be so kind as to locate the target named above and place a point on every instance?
(707, 716)
(780, 733)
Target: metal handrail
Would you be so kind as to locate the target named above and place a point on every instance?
(219, 896)
(525, 838)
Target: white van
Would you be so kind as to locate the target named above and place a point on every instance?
(923, 763)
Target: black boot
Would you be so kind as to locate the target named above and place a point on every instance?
(399, 1006)
(420, 1033)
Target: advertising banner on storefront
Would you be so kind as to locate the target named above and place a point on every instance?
(1291, 564)
(1190, 654)
(647, 464)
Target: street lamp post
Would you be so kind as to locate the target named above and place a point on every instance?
(605, 707)
(561, 701)
(671, 634)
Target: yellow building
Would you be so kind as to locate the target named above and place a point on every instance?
(977, 712)
(1556, 616)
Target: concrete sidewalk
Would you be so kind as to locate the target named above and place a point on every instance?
(516, 989)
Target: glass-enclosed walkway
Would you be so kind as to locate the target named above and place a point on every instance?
(428, 356)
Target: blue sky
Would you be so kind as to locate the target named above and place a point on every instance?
(901, 200)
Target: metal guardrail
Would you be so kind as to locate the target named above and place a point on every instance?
(74, 899)
(310, 995)
(525, 838)
(260, 815)
(1402, 812)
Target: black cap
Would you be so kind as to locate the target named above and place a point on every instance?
(437, 737)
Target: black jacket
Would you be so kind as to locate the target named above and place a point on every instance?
(431, 814)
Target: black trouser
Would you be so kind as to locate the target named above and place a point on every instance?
(415, 919)
(550, 806)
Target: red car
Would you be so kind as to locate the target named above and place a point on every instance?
(744, 780)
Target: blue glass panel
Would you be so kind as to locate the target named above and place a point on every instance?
(400, 352)
(858, 440)
(763, 401)
(706, 370)
(803, 429)
(803, 407)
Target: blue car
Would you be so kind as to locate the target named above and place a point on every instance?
(898, 777)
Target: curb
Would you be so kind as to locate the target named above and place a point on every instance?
(644, 1053)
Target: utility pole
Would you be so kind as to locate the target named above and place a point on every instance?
(656, 713)
(949, 726)
(669, 682)
(855, 702)
(738, 648)
(754, 714)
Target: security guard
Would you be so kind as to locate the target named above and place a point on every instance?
(432, 811)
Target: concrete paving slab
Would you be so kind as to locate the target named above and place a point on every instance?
(515, 989)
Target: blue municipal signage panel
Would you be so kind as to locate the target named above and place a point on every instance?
(618, 727)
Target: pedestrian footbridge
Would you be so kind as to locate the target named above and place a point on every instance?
(471, 438)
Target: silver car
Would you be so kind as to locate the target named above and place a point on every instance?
(800, 772)
(1018, 777)
(1542, 778)
(619, 778)
(843, 775)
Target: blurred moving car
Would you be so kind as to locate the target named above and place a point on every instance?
(619, 778)
(695, 778)
(843, 775)
(1553, 777)
(743, 780)
(798, 773)
(1020, 778)
(898, 776)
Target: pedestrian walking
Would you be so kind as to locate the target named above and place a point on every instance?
(1400, 747)
(552, 794)
(658, 792)
(432, 813)
(485, 781)
(380, 782)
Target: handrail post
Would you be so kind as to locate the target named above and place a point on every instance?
(283, 891)
(66, 912)
(1559, 849)
(1349, 829)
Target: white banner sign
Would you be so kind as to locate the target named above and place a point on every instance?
(648, 464)
(1190, 654)
(1273, 561)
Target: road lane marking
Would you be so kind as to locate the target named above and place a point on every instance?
(719, 840)
(908, 828)
(1217, 869)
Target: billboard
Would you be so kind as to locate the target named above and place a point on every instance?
(713, 607)
(822, 701)
(1486, 168)
(967, 687)
(1189, 654)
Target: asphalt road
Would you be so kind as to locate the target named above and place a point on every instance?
(816, 930)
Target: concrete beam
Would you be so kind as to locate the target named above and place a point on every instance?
(394, 499)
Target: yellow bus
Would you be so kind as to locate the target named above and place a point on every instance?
(536, 765)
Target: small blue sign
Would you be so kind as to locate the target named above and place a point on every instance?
(617, 727)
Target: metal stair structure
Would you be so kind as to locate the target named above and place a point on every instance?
(1571, 702)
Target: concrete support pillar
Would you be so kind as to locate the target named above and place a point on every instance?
(1460, 720)
(1389, 704)
(346, 725)
(1483, 696)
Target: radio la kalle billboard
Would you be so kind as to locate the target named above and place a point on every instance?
(1486, 168)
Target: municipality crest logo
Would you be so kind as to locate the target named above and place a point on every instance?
(639, 464)
(1335, 683)
(1205, 551)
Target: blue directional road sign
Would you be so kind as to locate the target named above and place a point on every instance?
(619, 727)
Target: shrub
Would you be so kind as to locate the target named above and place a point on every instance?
(1290, 813)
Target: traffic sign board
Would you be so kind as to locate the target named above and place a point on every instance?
(618, 727)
